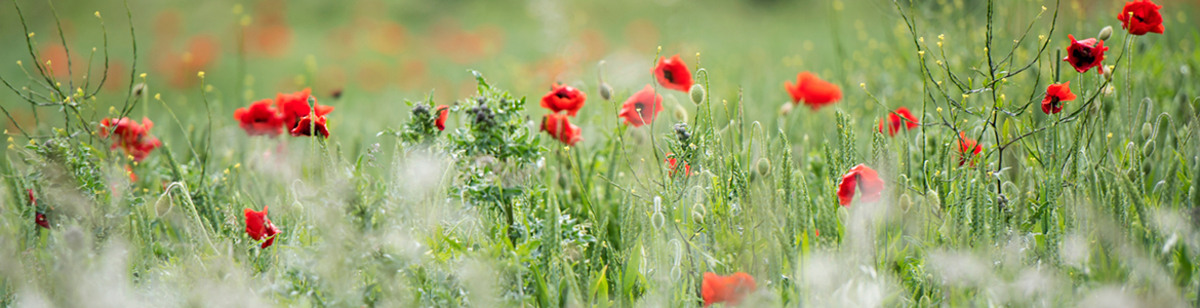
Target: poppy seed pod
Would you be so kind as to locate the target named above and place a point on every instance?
(763, 166)
(697, 94)
(1105, 33)
(605, 91)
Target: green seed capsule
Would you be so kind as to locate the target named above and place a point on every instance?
(697, 93)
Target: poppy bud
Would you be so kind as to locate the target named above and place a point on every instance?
(905, 203)
(680, 113)
(764, 166)
(1147, 130)
(785, 109)
(1148, 148)
(698, 212)
(933, 199)
(1105, 33)
(605, 91)
(1108, 73)
(697, 93)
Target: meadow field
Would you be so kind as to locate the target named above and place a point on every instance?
(623, 153)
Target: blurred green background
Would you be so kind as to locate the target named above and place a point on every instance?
(379, 53)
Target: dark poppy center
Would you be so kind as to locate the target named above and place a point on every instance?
(668, 76)
(1054, 102)
(1083, 55)
(562, 94)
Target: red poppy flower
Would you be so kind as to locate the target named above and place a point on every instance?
(305, 127)
(259, 227)
(813, 91)
(40, 220)
(1086, 54)
(687, 169)
(642, 107)
(562, 97)
(673, 74)
(901, 118)
(443, 112)
(558, 126)
(132, 176)
(295, 106)
(726, 289)
(967, 148)
(1141, 17)
(1056, 94)
(32, 199)
(130, 136)
(260, 119)
(863, 178)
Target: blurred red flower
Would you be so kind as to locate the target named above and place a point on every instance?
(258, 226)
(388, 38)
(443, 112)
(687, 169)
(863, 178)
(1086, 54)
(642, 107)
(294, 106)
(180, 68)
(39, 217)
(673, 74)
(726, 289)
(967, 149)
(1141, 17)
(562, 97)
(305, 127)
(260, 119)
(813, 91)
(901, 118)
(130, 136)
(1056, 94)
(560, 127)
(270, 34)
(40, 220)
(56, 54)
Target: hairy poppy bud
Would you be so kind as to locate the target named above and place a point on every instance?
(933, 199)
(698, 212)
(605, 91)
(680, 113)
(905, 203)
(1148, 148)
(764, 166)
(697, 93)
(785, 109)
(1105, 33)
(1147, 130)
